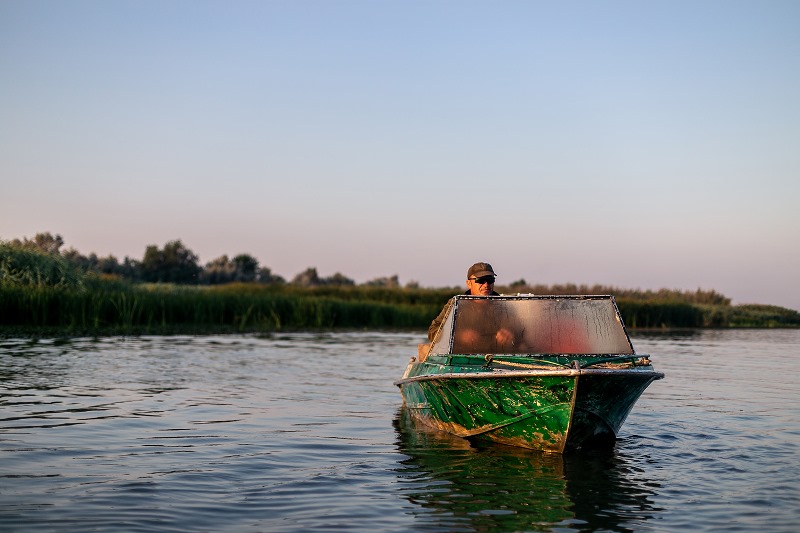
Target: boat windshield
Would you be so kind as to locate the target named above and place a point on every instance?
(533, 325)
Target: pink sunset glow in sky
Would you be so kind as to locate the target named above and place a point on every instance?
(636, 144)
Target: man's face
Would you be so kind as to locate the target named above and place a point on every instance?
(482, 286)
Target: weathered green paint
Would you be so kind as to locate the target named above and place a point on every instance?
(535, 410)
(563, 375)
(550, 408)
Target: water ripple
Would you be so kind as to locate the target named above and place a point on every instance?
(303, 432)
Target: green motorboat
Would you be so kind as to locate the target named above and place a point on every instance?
(553, 373)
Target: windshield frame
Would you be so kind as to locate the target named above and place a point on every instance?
(550, 324)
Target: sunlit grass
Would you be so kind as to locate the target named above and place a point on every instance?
(29, 267)
(42, 293)
(103, 306)
(127, 308)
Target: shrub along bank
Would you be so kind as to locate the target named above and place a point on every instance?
(103, 307)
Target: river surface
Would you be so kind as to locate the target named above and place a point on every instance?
(304, 432)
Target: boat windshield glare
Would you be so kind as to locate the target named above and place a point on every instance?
(533, 325)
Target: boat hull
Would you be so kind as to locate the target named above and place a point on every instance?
(554, 410)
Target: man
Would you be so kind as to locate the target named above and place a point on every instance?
(480, 282)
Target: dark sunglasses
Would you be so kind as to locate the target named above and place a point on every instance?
(483, 280)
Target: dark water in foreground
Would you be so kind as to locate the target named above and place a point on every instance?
(303, 432)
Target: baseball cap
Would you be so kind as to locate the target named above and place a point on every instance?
(480, 269)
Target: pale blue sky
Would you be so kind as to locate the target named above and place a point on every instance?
(637, 144)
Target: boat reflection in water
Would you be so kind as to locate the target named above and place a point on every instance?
(456, 484)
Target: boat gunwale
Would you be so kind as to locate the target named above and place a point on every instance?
(508, 374)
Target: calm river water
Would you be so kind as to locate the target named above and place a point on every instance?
(304, 432)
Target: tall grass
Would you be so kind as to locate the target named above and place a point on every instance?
(42, 292)
(127, 308)
(660, 314)
(29, 267)
(100, 306)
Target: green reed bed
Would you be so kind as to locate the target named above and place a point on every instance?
(639, 314)
(140, 309)
(751, 316)
(100, 307)
(660, 314)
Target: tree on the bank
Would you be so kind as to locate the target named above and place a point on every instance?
(339, 279)
(310, 278)
(307, 278)
(246, 267)
(266, 276)
(93, 263)
(44, 242)
(243, 268)
(392, 282)
(175, 263)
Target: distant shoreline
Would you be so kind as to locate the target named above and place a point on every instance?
(114, 308)
(59, 333)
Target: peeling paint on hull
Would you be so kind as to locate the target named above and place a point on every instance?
(552, 373)
(552, 411)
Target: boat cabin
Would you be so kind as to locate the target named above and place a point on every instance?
(527, 324)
